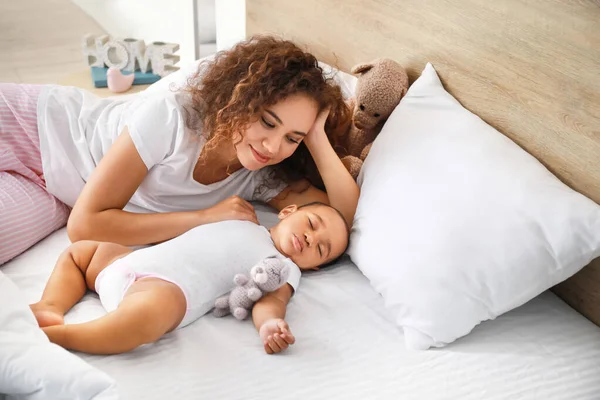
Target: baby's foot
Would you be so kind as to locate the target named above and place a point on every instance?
(56, 334)
(47, 314)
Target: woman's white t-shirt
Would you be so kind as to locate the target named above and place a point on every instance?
(77, 128)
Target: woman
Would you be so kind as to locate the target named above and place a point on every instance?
(146, 170)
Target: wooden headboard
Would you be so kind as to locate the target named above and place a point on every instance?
(530, 68)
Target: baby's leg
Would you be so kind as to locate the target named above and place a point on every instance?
(75, 271)
(151, 307)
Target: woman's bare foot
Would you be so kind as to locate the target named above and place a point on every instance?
(47, 314)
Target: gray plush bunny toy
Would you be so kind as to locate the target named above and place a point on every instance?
(266, 276)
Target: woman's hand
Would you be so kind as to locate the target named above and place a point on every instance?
(341, 190)
(317, 134)
(230, 209)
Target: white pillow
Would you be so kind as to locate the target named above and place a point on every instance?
(33, 368)
(456, 224)
(178, 79)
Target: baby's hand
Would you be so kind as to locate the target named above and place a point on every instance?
(276, 335)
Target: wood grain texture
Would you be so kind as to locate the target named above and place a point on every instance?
(41, 40)
(530, 68)
(582, 291)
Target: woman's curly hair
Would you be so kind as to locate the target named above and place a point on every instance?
(231, 91)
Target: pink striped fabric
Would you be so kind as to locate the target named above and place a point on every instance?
(28, 213)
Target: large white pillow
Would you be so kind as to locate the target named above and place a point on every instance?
(33, 368)
(178, 79)
(456, 224)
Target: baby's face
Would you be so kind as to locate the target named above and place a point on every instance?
(310, 236)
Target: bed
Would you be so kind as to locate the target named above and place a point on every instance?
(530, 69)
(348, 348)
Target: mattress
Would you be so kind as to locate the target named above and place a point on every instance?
(347, 348)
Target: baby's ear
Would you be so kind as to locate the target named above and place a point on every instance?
(292, 208)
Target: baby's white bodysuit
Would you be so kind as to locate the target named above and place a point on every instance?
(202, 262)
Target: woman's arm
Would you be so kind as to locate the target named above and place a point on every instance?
(98, 213)
(268, 316)
(342, 190)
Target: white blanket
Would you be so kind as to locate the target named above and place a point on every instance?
(33, 368)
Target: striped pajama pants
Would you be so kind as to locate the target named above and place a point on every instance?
(28, 212)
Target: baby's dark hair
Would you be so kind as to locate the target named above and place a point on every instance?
(318, 203)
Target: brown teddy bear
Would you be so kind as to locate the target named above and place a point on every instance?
(381, 85)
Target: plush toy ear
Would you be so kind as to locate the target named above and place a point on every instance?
(361, 68)
(261, 278)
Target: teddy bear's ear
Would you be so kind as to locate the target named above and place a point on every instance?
(361, 68)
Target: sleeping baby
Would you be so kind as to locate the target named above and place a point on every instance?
(152, 291)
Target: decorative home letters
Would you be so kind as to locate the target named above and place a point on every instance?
(130, 54)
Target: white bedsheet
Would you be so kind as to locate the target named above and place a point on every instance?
(347, 348)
